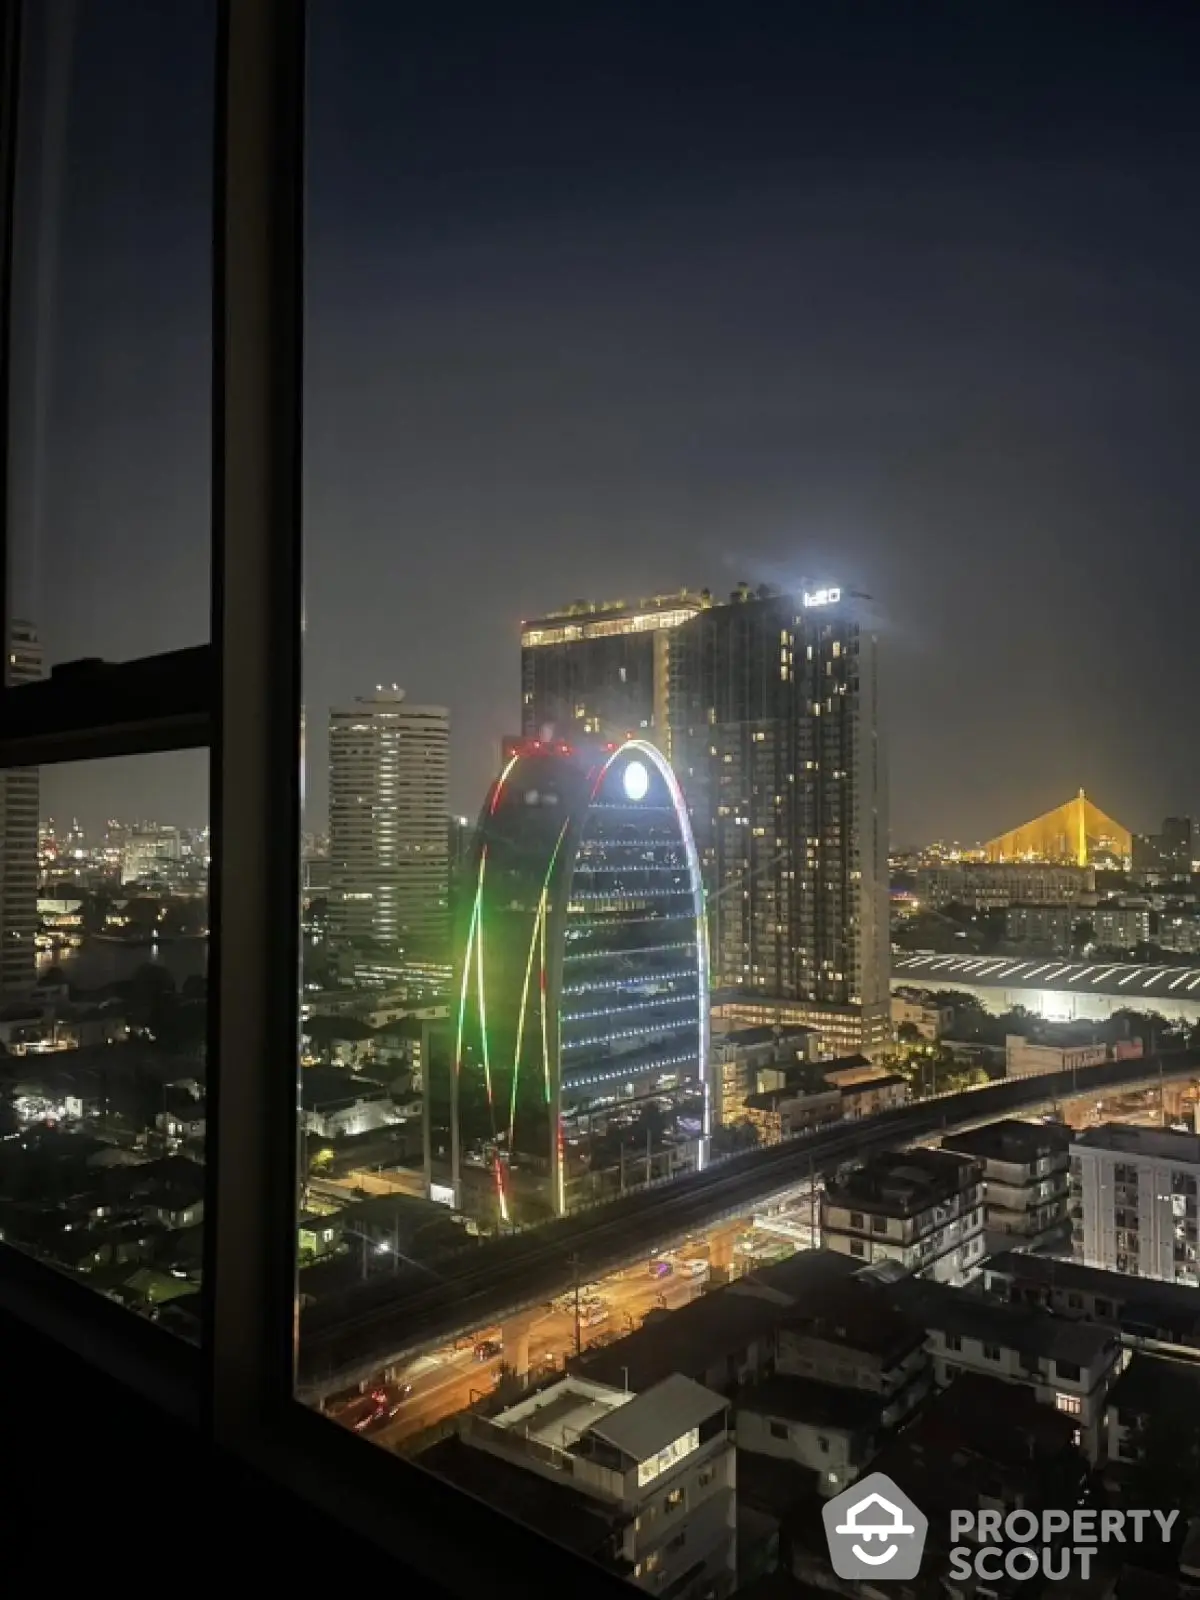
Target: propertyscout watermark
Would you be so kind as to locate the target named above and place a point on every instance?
(875, 1531)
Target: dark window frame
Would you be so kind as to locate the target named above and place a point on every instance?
(240, 697)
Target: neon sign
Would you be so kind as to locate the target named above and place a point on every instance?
(822, 597)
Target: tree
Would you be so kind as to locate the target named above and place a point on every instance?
(737, 1136)
(1082, 935)
(908, 1033)
(963, 1077)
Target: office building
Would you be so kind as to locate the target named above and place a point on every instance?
(1122, 924)
(20, 797)
(839, 1030)
(775, 736)
(1026, 1181)
(994, 885)
(581, 1056)
(388, 839)
(739, 1055)
(645, 1485)
(1134, 1201)
(919, 1209)
(1043, 928)
(601, 671)
(146, 857)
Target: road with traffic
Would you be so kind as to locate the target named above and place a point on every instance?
(449, 1380)
(383, 1324)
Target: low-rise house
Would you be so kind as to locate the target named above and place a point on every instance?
(1069, 1366)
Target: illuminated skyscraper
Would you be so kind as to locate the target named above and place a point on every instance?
(20, 796)
(581, 1034)
(767, 708)
(774, 717)
(600, 671)
(388, 842)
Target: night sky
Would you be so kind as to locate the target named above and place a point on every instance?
(611, 299)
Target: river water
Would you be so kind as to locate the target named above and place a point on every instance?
(97, 963)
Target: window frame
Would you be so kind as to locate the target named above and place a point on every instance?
(241, 698)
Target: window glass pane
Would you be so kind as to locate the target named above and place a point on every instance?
(111, 347)
(640, 353)
(103, 1014)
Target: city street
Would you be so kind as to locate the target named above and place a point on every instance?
(447, 1382)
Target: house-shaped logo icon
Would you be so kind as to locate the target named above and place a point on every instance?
(874, 1530)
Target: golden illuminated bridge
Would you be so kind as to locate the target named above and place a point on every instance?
(1077, 832)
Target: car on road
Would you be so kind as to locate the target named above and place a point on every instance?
(375, 1409)
(661, 1269)
(488, 1350)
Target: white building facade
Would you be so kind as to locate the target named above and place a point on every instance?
(389, 863)
(921, 1210)
(1134, 1201)
(20, 798)
(662, 1465)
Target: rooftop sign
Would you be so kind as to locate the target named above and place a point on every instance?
(822, 597)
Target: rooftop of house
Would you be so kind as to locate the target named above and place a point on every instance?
(1157, 1383)
(1011, 1140)
(652, 1420)
(979, 1436)
(1031, 1333)
(553, 1507)
(325, 1088)
(855, 1313)
(789, 1039)
(1137, 1304)
(903, 1182)
(706, 1332)
(557, 1416)
(1158, 1144)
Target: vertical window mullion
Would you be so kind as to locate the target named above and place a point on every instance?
(257, 329)
(10, 69)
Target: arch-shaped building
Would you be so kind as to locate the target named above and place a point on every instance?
(581, 1033)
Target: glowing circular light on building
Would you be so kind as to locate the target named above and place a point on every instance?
(582, 974)
(636, 780)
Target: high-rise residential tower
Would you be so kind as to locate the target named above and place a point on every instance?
(773, 707)
(20, 793)
(767, 708)
(388, 844)
(601, 671)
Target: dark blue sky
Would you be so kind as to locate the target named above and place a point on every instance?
(902, 295)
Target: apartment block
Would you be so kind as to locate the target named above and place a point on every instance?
(1134, 1201)
(1026, 1181)
(921, 1210)
(643, 1484)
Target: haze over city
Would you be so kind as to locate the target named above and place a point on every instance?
(908, 306)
